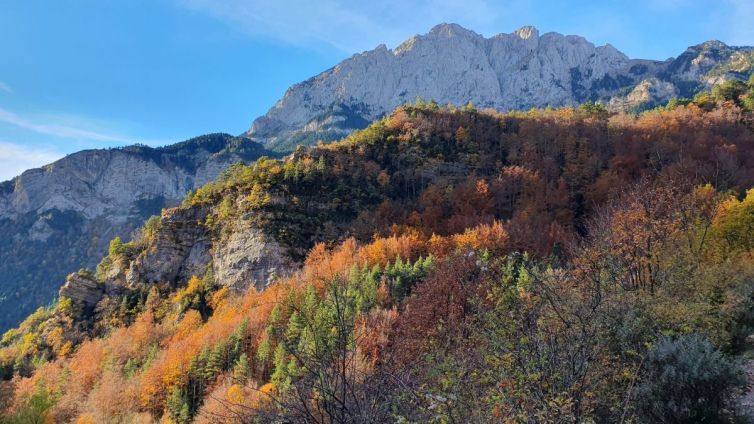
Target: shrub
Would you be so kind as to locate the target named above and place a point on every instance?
(685, 379)
(151, 227)
(117, 247)
(34, 410)
(677, 102)
(730, 91)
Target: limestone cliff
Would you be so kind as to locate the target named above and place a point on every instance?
(521, 70)
(240, 256)
(59, 218)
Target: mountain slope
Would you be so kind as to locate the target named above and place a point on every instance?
(59, 218)
(79, 202)
(441, 263)
(515, 71)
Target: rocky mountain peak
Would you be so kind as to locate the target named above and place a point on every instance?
(449, 64)
(713, 45)
(452, 30)
(527, 32)
(452, 64)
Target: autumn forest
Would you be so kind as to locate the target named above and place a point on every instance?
(450, 265)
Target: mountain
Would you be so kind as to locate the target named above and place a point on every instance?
(442, 265)
(61, 217)
(515, 71)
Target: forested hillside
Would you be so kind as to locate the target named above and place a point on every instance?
(443, 265)
(59, 218)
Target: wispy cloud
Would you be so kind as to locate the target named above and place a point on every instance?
(15, 158)
(353, 26)
(57, 130)
(5, 87)
(345, 25)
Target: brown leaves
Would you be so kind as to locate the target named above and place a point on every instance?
(435, 310)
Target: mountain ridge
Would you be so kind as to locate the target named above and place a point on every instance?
(516, 71)
(438, 232)
(65, 200)
(62, 216)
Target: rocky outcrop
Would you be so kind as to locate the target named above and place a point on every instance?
(82, 289)
(648, 93)
(179, 250)
(520, 70)
(249, 257)
(241, 256)
(61, 217)
(705, 64)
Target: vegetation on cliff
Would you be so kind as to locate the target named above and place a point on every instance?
(456, 266)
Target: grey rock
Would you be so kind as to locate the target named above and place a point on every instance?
(179, 249)
(649, 92)
(247, 257)
(520, 70)
(82, 289)
(110, 182)
(242, 257)
(61, 217)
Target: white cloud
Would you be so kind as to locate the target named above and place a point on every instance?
(349, 26)
(5, 87)
(57, 130)
(16, 158)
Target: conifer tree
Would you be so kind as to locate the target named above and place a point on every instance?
(241, 369)
(176, 406)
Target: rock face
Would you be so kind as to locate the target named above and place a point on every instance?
(521, 70)
(249, 257)
(113, 182)
(82, 289)
(180, 249)
(243, 256)
(61, 217)
(648, 92)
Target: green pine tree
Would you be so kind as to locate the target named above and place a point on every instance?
(294, 327)
(241, 369)
(176, 406)
(263, 351)
(215, 362)
(280, 362)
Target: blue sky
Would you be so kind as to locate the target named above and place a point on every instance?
(82, 74)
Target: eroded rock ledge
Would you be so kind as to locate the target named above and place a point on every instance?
(82, 289)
